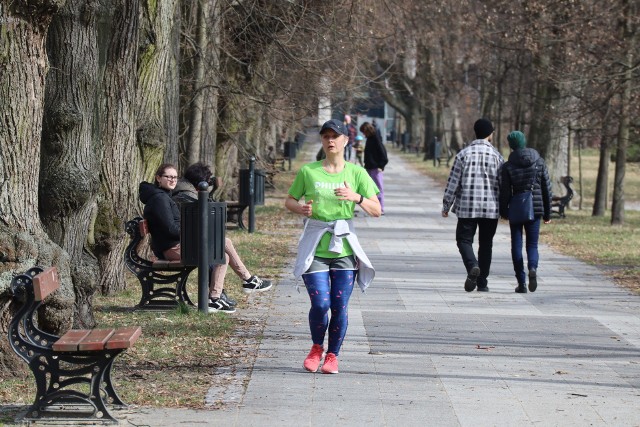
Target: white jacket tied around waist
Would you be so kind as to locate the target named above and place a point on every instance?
(340, 229)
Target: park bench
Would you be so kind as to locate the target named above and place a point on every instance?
(72, 372)
(559, 203)
(236, 209)
(163, 282)
(235, 212)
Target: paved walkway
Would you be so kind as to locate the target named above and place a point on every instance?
(421, 351)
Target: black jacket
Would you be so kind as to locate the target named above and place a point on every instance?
(163, 217)
(375, 155)
(516, 177)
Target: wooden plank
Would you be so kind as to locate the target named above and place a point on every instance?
(163, 263)
(124, 337)
(96, 340)
(70, 340)
(45, 283)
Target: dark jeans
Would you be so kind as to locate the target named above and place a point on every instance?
(532, 232)
(465, 232)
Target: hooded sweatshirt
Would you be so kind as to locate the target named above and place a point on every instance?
(184, 192)
(163, 217)
(525, 166)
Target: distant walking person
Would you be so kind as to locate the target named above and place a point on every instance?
(330, 258)
(359, 148)
(472, 194)
(375, 158)
(352, 133)
(525, 171)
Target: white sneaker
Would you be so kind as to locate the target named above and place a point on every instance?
(255, 284)
(218, 304)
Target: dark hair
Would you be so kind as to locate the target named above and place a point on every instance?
(161, 170)
(198, 172)
(368, 129)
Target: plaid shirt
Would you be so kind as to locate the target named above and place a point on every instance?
(473, 186)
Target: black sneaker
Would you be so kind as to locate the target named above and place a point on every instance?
(521, 288)
(472, 279)
(255, 284)
(218, 304)
(533, 280)
(483, 288)
(228, 299)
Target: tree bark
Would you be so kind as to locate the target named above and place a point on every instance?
(197, 103)
(153, 95)
(547, 133)
(172, 86)
(602, 179)
(121, 169)
(617, 206)
(628, 35)
(211, 91)
(23, 241)
(70, 155)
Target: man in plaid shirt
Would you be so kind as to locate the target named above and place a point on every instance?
(472, 194)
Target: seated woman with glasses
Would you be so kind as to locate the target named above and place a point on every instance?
(163, 218)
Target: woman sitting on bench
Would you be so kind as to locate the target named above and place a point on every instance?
(163, 217)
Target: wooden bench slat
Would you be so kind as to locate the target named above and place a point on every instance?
(70, 340)
(45, 283)
(161, 263)
(96, 340)
(124, 337)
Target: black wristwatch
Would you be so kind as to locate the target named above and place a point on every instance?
(361, 199)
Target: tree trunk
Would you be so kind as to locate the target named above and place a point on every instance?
(70, 155)
(602, 180)
(628, 35)
(429, 134)
(211, 91)
(547, 134)
(155, 69)
(226, 152)
(457, 140)
(414, 124)
(196, 106)
(617, 206)
(23, 241)
(121, 166)
(172, 86)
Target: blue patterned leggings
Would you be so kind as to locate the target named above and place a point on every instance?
(329, 290)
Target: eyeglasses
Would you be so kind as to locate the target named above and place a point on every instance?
(170, 177)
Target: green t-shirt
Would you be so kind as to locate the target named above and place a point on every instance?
(314, 183)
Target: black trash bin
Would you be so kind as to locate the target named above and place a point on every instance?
(258, 187)
(290, 149)
(190, 232)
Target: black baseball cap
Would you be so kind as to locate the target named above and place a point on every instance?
(335, 125)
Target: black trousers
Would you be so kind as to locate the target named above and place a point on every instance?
(465, 232)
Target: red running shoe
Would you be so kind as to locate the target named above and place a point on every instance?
(330, 365)
(312, 362)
